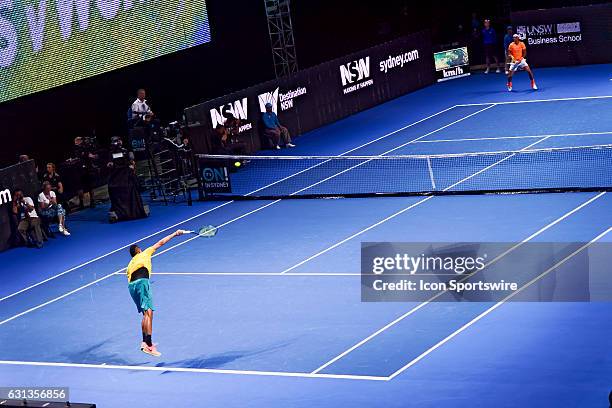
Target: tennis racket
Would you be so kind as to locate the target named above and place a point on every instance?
(205, 232)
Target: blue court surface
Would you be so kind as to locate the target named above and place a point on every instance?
(268, 313)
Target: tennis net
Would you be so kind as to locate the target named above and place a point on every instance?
(566, 169)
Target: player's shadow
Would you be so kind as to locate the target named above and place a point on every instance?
(219, 360)
(96, 355)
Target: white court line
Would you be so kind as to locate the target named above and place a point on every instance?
(421, 305)
(119, 271)
(337, 244)
(196, 370)
(219, 206)
(578, 98)
(338, 174)
(58, 298)
(259, 189)
(109, 253)
(478, 139)
(220, 226)
(498, 304)
(495, 164)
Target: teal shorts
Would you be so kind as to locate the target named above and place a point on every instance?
(140, 290)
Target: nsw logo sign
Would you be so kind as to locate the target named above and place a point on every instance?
(286, 99)
(239, 109)
(355, 75)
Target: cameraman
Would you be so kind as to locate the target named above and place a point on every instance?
(85, 153)
(126, 202)
(119, 156)
(27, 219)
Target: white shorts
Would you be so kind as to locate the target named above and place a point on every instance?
(515, 66)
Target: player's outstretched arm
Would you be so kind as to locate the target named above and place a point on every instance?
(165, 240)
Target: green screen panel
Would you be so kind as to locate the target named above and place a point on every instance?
(48, 43)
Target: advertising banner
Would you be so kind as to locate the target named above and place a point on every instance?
(325, 93)
(566, 36)
(451, 64)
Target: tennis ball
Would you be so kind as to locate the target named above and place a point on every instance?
(237, 164)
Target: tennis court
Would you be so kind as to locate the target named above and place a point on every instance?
(269, 311)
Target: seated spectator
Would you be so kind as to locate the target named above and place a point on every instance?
(27, 218)
(232, 125)
(51, 209)
(55, 180)
(223, 143)
(273, 130)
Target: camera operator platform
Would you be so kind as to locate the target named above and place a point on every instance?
(126, 202)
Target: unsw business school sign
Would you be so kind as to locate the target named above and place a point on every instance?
(544, 34)
(566, 36)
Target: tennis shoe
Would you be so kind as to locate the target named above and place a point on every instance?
(497, 71)
(152, 350)
(534, 86)
(290, 145)
(509, 88)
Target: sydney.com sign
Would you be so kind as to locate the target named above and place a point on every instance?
(47, 43)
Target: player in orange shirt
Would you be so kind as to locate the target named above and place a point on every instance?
(517, 52)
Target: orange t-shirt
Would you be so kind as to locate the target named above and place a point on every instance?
(516, 50)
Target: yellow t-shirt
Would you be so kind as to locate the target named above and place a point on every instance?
(141, 260)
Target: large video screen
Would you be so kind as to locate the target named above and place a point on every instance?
(48, 43)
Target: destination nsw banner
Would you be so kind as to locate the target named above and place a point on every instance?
(566, 36)
(48, 43)
(325, 93)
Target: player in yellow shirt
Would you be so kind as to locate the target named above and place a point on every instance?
(138, 273)
(517, 52)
